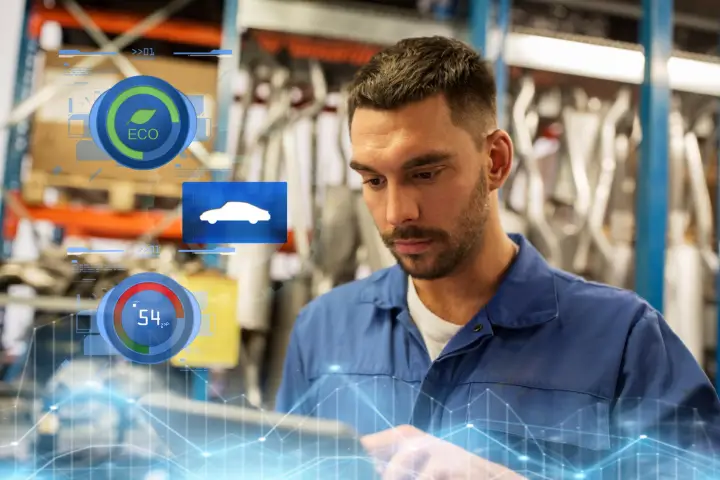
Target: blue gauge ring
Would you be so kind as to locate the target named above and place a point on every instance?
(187, 326)
(182, 127)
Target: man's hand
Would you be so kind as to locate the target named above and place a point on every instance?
(406, 453)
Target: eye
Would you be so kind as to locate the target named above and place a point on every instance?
(375, 182)
(426, 175)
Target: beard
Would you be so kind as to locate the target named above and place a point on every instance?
(449, 249)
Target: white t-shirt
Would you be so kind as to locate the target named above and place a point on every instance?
(435, 331)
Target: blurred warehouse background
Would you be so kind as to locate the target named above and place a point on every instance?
(616, 175)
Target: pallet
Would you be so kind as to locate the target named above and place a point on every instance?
(120, 195)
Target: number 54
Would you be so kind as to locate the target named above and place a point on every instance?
(153, 317)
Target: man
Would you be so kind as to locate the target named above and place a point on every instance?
(482, 351)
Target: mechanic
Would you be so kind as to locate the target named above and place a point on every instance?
(473, 331)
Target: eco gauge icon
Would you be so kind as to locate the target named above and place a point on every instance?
(143, 122)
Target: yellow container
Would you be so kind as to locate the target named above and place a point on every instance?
(218, 343)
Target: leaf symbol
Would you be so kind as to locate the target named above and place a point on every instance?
(142, 116)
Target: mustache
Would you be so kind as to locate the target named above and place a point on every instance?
(412, 232)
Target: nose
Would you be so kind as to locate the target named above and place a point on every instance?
(401, 207)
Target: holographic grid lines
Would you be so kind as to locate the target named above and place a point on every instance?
(92, 395)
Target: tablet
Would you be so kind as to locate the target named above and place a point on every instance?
(219, 442)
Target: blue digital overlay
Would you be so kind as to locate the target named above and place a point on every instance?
(148, 318)
(234, 212)
(89, 146)
(143, 122)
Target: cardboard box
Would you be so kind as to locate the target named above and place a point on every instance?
(60, 140)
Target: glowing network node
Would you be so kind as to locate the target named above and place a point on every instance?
(334, 368)
(470, 425)
(523, 458)
(206, 454)
(157, 475)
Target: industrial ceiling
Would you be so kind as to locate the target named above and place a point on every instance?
(697, 21)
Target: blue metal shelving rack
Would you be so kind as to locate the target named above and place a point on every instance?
(226, 68)
(17, 145)
(501, 72)
(482, 14)
(19, 133)
(652, 182)
(717, 235)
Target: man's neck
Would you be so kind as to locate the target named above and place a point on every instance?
(458, 298)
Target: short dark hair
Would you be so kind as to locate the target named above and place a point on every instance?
(418, 68)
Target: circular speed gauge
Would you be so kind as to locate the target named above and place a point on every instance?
(149, 318)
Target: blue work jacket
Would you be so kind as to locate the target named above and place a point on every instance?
(556, 376)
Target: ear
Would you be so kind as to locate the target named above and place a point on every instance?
(500, 151)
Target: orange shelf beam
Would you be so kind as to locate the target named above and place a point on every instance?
(99, 223)
(177, 31)
(326, 50)
(95, 222)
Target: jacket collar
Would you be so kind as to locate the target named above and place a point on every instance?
(526, 297)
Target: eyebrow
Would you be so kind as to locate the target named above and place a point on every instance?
(425, 160)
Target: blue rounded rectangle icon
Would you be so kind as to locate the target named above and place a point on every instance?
(234, 212)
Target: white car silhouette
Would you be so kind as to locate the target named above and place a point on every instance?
(236, 212)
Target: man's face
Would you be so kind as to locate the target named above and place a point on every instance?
(425, 183)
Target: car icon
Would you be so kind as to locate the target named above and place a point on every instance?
(236, 212)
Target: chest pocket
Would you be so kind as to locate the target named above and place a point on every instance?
(512, 424)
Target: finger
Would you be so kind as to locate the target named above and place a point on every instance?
(436, 468)
(407, 463)
(383, 445)
(446, 467)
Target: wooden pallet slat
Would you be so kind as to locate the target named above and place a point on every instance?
(122, 195)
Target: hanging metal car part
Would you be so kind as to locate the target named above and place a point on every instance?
(535, 199)
(337, 241)
(573, 195)
(594, 235)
